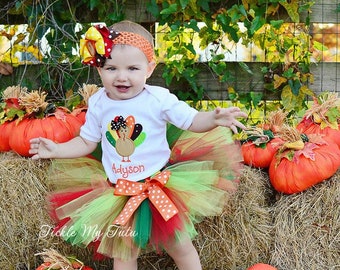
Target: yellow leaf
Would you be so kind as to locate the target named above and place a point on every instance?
(307, 91)
(292, 9)
(278, 81)
(231, 90)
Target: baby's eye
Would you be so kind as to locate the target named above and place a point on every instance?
(133, 68)
(110, 68)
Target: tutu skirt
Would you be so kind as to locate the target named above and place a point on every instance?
(199, 180)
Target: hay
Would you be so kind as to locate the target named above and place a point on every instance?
(24, 225)
(307, 228)
(21, 192)
(242, 235)
(300, 231)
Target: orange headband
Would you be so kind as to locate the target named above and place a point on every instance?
(99, 40)
(128, 38)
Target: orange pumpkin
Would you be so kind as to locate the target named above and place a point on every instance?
(292, 171)
(331, 134)
(59, 127)
(260, 156)
(323, 117)
(262, 266)
(5, 133)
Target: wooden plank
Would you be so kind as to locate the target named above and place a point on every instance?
(327, 78)
(325, 13)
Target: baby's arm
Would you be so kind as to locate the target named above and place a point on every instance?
(45, 148)
(226, 117)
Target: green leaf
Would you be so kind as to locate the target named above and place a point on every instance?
(276, 24)
(153, 8)
(319, 46)
(223, 20)
(93, 4)
(204, 4)
(184, 3)
(170, 10)
(333, 114)
(193, 25)
(256, 24)
(256, 97)
(295, 86)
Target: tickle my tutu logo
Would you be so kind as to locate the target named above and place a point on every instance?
(92, 232)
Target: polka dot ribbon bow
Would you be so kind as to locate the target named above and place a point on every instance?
(152, 189)
(97, 45)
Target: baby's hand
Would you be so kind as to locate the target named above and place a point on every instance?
(227, 117)
(42, 148)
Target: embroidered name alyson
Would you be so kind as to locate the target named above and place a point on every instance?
(126, 171)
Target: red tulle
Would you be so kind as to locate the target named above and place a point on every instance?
(193, 152)
(163, 232)
(56, 200)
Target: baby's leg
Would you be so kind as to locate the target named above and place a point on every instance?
(185, 255)
(124, 265)
(119, 264)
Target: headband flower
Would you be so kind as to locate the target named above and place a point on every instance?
(97, 45)
(98, 42)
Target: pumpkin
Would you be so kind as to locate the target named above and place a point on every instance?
(5, 133)
(322, 118)
(308, 126)
(262, 266)
(80, 113)
(11, 111)
(303, 162)
(261, 142)
(260, 156)
(259, 147)
(59, 127)
(54, 260)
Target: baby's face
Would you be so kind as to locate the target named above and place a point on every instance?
(125, 73)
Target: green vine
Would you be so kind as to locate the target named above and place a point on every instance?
(287, 51)
(58, 22)
(182, 23)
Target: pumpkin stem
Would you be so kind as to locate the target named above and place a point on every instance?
(13, 92)
(33, 102)
(57, 260)
(276, 119)
(320, 107)
(293, 138)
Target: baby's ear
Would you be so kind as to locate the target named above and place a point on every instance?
(151, 68)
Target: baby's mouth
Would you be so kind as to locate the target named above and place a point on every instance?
(122, 88)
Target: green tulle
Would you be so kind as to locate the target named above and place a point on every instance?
(143, 224)
(172, 134)
(90, 222)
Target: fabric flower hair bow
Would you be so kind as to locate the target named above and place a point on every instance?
(97, 45)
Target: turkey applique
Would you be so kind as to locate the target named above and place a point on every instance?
(125, 135)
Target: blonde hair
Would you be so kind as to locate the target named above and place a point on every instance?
(132, 27)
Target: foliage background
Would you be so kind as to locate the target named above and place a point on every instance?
(285, 71)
